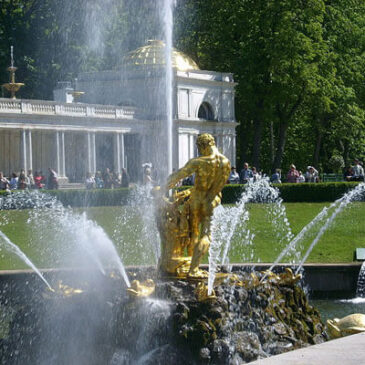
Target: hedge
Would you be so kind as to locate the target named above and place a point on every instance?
(87, 198)
(306, 192)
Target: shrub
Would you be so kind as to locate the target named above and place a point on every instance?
(320, 192)
(306, 192)
(91, 198)
(87, 198)
(337, 163)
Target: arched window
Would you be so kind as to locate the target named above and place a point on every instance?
(205, 112)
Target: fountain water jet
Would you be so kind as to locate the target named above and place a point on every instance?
(168, 28)
(354, 194)
(77, 235)
(13, 248)
(226, 220)
(360, 287)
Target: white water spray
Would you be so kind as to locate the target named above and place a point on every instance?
(168, 6)
(226, 220)
(13, 248)
(342, 203)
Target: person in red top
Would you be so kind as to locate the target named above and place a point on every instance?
(38, 180)
(293, 175)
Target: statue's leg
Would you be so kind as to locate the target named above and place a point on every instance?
(201, 247)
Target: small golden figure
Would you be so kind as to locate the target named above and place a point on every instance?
(144, 289)
(184, 222)
(349, 325)
(201, 292)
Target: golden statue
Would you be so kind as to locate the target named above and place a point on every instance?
(184, 220)
(349, 325)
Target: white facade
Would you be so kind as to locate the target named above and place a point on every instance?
(101, 131)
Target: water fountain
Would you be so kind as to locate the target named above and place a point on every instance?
(235, 318)
(240, 321)
(360, 290)
(12, 86)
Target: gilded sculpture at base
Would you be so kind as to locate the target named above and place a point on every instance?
(144, 289)
(349, 325)
(184, 219)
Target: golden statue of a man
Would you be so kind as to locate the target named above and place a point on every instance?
(184, 223)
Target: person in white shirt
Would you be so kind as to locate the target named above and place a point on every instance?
(357, 171)
(13, 181)
(234, 177)
(4, 183)
(311, 175)
(301, 178)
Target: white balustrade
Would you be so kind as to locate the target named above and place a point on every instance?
(11, 106)
(55, 108)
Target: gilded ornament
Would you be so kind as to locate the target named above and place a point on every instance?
(184, 219)
(349, 325)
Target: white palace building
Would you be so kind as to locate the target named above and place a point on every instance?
(114, 123)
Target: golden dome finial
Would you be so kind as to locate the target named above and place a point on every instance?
(153, 54)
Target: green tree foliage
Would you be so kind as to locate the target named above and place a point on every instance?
(299, 64)
(298, 67)
(55, 40)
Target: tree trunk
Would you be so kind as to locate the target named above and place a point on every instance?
(283, 128)
(256, 148)
(244, 134)
(272, 144)
(317, 149)
(346, 153)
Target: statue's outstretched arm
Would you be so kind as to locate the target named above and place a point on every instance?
(185, 171)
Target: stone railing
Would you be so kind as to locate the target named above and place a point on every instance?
(43, 107)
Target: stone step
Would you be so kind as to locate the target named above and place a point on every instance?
(69, 186)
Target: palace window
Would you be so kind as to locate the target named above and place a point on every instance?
(206, 111)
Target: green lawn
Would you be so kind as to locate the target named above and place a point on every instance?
(49, 239)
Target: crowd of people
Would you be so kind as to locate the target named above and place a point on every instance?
(109, 179)
(23, 180)
(247, 174)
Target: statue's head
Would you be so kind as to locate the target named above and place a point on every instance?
(204, 142)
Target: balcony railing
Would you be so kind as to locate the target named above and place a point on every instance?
(38, 107)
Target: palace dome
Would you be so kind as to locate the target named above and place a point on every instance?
(153, 55)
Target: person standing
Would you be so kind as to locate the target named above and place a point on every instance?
(52, 181)
(293, 175)
(13, 185)
(234, 177)
(38, 180)
(357, 171)
(99, 183)
(22, 182)
(276, 177)
(125, 178)
(4, 182)
(89, 181)
(108, 179)
(245, 174)
(311, 176)
(31, 183)
(301, 178)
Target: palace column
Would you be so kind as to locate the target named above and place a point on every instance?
(26, 152)
(29, 150)
(116, 154)
(23, 150)
(122, 150)
(118, 151)
(234, 157)
(191, 147)
(60, 155)
(91, 152)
